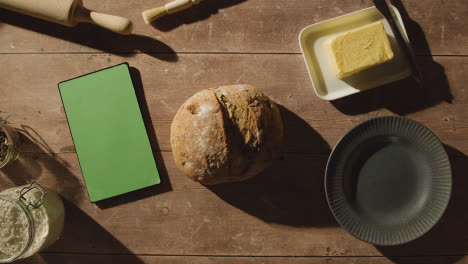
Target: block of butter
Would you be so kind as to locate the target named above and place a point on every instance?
(359, 49)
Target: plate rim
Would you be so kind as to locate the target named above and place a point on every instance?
(354, 129)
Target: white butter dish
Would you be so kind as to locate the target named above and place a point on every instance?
(326, 85)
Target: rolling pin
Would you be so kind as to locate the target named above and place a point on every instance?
(69, 13)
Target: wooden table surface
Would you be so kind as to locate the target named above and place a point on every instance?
(281, 216)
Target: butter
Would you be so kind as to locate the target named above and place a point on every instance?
(359, 49)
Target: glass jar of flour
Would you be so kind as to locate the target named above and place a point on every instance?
(31, 219)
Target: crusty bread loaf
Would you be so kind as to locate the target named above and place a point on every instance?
(226, 134)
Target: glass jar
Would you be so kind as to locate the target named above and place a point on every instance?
(9, 144)
(31, 219)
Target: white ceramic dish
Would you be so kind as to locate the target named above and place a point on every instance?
(326, 85)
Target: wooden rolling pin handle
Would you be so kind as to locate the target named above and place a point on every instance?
(116, 24)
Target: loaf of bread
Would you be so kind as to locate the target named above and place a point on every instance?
(226, 134)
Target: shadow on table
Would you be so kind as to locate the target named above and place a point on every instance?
(448, 237)
(291, 191)
(82, 234)
(40, 156)
(199, 12)
(93, 36)
(404, 96)
(165, 185)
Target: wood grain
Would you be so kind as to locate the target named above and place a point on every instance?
(229, 26)
(267, 216)
(280, 216)
(118, 259)
(33, 98)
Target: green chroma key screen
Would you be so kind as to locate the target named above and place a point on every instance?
(109, 133)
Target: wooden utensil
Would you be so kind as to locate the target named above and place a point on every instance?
(172, 7)
(382, 6)
(69, 13)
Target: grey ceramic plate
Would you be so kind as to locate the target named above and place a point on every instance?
(388, 180)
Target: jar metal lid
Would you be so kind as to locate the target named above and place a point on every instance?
(33, 204)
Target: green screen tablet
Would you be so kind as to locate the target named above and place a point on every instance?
(109, 133)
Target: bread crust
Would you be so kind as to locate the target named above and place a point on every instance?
(226, 134)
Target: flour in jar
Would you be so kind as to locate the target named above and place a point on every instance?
(48, 221)
(14, 233)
